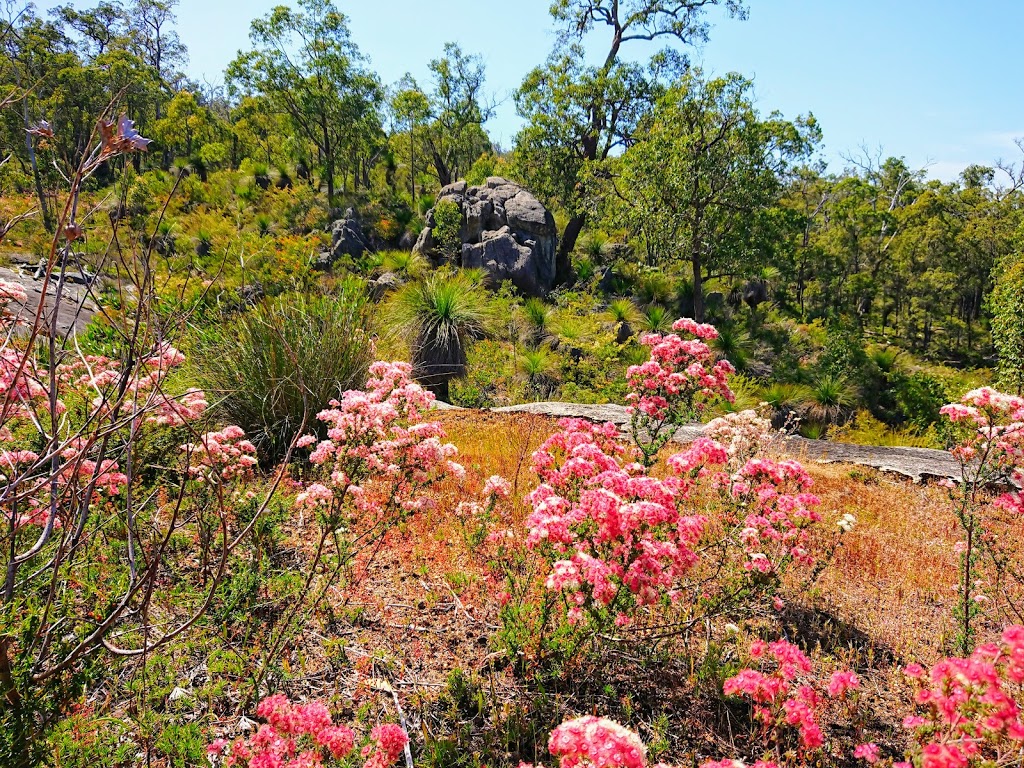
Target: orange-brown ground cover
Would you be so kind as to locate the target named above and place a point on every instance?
(427, 607)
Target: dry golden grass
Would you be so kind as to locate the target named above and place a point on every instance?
(428, 606)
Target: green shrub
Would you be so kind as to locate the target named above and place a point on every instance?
(919, 397)
(283, 358)
(448, 228)
(1008, 325)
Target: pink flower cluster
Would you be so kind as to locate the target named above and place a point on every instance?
(595, 742)
(221, 455)
(387, 744)
(302, 736)
(10, 292)
(681, 376)
(743, 434)
(972, 707)
(615, 535)
(783, 696)
(378, 449)
(992, 439)
(777, 511)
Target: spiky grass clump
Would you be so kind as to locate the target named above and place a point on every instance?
(623, 311)
(540, 368)
(831, 400)
(439, 316)
(405, 263)
(285, 359)
(656, 319)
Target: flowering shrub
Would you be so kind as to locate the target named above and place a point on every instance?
(743, 434)
(988, 430)
(370, 473)
(595, 742)
(618, 543)
(379, 455)
(304, 736)
(675, 385)
(615, 536)
(92, 516)
(778, 700)
(971, 709)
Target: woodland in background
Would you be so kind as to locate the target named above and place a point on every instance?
(670, 186)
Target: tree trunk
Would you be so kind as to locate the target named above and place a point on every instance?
(440, 390)
(698, 285)
(564, 274)
(444, 173)
(329, 166)
(412, 160)
(36, 178)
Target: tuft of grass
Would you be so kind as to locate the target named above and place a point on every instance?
(439, 316)
(656, 318)
(735, 345)
(539, 368)
(655, 288)
(537, 317)
(831, 399)
(284, 359)
(405, 263)
(623, 311)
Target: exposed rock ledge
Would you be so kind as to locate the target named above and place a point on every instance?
(918, 464)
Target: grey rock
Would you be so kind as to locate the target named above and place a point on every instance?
(408, 241)
(323, 261)
(384, 284)
(455, 188)
(250, 293)
(503, 258)
(505, 230)
(347, 237)
(77, 306)
(755, 292)
(425, 242)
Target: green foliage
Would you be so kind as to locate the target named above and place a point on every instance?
(830, 399)
(1008, 324)
(701, 173)
(448, 228)
(405, 263)
(305, 64)
(438, 317)
(920, 396)
(540, 368)
(622, 311)
(281, 362)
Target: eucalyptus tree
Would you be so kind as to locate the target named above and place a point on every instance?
(578, 113)
(307, 66)
(701, 179)
(410, 108)
(459, 108)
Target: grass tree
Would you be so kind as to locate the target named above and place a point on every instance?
(439, 316)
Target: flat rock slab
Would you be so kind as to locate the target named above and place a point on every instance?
(76, 309)
(917, 464)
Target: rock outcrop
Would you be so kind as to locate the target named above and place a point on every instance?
(347, 239)
(506, 231)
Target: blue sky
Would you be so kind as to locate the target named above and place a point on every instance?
(936, 82)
